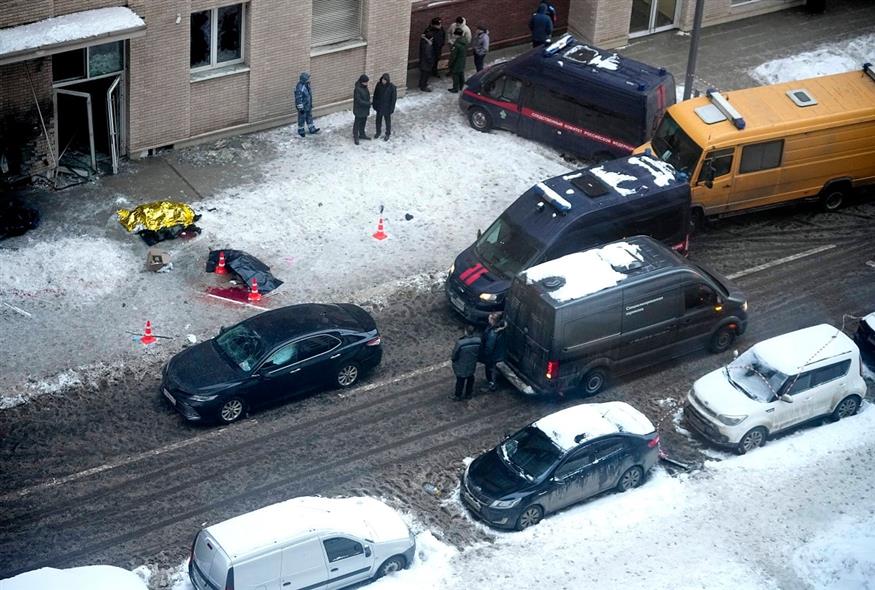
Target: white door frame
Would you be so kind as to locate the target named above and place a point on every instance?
(87, 98)
(112, 124)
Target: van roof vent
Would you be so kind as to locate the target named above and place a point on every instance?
(582, 54)
(552, 283)
(589, 184)
(801, 97)
(628, 267)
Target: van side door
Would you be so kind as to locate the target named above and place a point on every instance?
(303, 565)
(699, 315)
(502, 96)
(758, 180)
(549, 117)
(649, 323)
(717, 171)
(349, 560)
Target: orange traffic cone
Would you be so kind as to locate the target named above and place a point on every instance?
(148, 338)
(380, 234)
(220, 268)
(254, 295)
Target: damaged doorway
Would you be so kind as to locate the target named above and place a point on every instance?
(90, 119)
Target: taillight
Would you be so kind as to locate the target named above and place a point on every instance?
(653, 442)
(552, 369)
(229, 582)
(374, 342)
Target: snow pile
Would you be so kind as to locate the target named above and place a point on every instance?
(832, 58)
(71, 27)
(91, 577)
(613, 180)
(86, 267)
(841, 555)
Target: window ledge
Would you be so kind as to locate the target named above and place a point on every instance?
(336, 47)
(219, 72)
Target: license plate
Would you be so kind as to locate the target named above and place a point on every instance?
(458, 303)
(170, 397)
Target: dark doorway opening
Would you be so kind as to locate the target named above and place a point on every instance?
(87, 122)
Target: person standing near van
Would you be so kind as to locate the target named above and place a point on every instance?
(481, 46)
(304, 104)
(361, 108)
(465, 363)
(439, 39)
(385, 95)
(427, 58)
(492, 347)
(460, 24)
(541, 26)
(457, 60)
(551, 12)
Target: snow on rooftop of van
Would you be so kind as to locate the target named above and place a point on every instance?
(792, 351)
(593, 57)
(586, 272)
(592, 421)
(362, 516)
(662, 172)
(613, 180)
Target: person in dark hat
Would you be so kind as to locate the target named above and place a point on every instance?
(385, 95)
(361, 108)
(439, 39)
(426, 59)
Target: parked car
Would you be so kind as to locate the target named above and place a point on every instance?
(559, 460)
(324, 543)
(574, 322)
(775, 385)
(587, 101)
(864, 337)
(276, 354)
(565, 214)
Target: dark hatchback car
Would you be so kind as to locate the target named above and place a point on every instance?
(559, 460)
(864, 337)
(272, 356)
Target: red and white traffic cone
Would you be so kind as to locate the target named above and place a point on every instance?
(380, 234)
(148, 338)
(220, 268)
(254, 295)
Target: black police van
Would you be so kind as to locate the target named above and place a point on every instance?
(585, 100)
(624, 197)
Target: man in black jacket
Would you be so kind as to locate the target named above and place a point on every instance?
(361, 108)
(385, 95)
(439, 36)
(427, 59)
(492, 347)
(465, 363)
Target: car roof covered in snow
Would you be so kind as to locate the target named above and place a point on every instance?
(796, 351)
(363, 517)
(588, 421)
(580, 274)
(294, 320)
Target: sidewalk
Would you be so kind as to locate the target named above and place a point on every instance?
(307, 208)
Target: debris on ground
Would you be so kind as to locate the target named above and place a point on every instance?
(157, 260)
(247, 267)
(16, 218)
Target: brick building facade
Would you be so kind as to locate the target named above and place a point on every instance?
(176, 88)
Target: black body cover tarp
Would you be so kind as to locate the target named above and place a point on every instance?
(246, 266)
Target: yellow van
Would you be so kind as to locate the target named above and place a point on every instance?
(767, 146)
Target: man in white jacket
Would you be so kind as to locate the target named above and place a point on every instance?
(463, 26)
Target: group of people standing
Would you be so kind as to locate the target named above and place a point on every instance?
(469, 350)
(458, 36)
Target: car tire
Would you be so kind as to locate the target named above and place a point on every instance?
(755, 437)
(479, 119)
(846, 408)
(232, 410)
(593, 382)
(396, 563)
(721, 340)
(347, 375)
(529, 517)
(833, 197)
(631, 478)
(697, 220)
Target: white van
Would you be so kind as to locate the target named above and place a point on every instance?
(324, 543)
(776, 385)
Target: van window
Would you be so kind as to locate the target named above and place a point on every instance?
(672, 145)
(699, 295)
(761, 156)
(829, 373)
(505, 88)
(505, 247)
(338, 548)
(652, 308)
(719, 161)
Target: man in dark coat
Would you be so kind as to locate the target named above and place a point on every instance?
(304, 104)
(361, 108)
(492, 347)
(427, 59)
(465, 363)
(457, 60)
(439, 36)
(385, 95)
(541, 26)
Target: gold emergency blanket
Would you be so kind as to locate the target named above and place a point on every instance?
(156, 215)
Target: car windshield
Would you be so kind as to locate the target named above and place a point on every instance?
(505, 248)
(242, 345)
(672, 145)
(755, 378)
(529, 452)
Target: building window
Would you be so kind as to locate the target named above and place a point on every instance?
(87, 63)
(217, 37)
(336, 21)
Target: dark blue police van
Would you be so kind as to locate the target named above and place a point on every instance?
(590, 102)
(635, 195)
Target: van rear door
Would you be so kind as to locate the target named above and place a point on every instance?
(210, 564)
(530, 327)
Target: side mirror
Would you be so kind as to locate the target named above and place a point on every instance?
(367, 551)
(786, 398)
(735, 354)
(222, 329)
(479, 233)
(708, 174)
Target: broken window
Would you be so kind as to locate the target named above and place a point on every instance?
(216, 37)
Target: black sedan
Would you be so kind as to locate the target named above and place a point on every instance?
(559, 460)
(271, 356)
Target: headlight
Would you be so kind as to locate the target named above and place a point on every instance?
(731, 420)
(744, 305)
(491, 297)
(505, 503)
(451, 269)
(203, 397)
